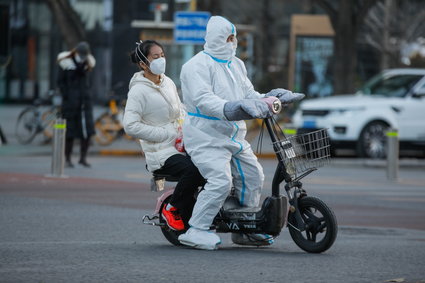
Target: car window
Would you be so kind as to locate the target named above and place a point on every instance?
(392, 86)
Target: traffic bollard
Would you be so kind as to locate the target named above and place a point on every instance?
(58, 154)
(392, 154)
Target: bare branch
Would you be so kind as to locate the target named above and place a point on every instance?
(416, 29)
(364, 9)
(374, 43)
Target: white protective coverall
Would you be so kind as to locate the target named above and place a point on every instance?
(218, 146)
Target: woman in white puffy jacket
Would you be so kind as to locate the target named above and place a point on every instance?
(153, 114)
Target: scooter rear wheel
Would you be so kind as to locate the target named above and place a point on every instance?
(170, 234)
(321, 226)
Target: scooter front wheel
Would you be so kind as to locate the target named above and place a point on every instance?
(320, 225)
(170, 234)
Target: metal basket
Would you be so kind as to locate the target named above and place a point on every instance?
(301, 153)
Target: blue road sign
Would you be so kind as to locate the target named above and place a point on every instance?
(190, 27)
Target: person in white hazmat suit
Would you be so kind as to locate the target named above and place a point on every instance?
(218, 97)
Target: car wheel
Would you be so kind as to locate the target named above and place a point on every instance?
(373, 141)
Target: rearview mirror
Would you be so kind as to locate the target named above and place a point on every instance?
(419, 93)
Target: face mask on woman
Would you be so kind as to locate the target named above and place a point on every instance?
(157, 66)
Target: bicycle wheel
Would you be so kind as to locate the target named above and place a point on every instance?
(27, 125)
(48, 120)
(320, 226)
(107, 129)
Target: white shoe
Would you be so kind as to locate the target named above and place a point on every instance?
(252, 239)
(200, 239)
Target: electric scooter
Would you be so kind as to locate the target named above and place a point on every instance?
(311, 223)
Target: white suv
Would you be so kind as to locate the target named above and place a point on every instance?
(393, 99)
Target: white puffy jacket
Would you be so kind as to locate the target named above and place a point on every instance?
(152, 115)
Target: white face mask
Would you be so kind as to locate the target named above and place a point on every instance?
(235, 43)
(231, 46)
(157, 66)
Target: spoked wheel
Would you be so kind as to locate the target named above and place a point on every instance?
(372, 141)
(27, 125)
(320, 226)
(170, 234)
(107, 129)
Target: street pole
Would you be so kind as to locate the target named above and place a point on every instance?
(392, 154)
(58, 152)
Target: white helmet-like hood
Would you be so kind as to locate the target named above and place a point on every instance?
(218, 30)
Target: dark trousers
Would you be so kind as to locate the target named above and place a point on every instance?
(190, 179)
(84, 147)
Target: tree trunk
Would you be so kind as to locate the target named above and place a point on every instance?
(345, 55)
(266, 36)
(345, 16)
(69, 22)
(385, 56)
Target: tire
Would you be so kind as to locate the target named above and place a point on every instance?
(170, 234)
(107, 129)
(48, 119)
(27, 126)
(373, 141)
(321, 222)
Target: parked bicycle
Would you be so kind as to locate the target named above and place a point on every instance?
(33, 120)
(109, 125)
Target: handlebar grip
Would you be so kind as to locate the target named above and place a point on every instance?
(274, 104)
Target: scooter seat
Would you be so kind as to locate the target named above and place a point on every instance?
(158, 181)
(167, 178)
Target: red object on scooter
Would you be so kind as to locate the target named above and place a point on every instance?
(179, 142)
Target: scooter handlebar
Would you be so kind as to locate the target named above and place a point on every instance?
(274, 104)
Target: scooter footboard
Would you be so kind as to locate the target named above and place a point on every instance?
(270, 219)
(241, 222)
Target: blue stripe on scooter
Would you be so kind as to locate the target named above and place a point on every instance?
(238, 163)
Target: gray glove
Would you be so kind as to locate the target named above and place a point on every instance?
(246, 109)
(285, 96)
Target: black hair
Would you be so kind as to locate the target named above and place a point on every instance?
(143, 49)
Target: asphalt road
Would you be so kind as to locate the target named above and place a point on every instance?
(87, 228)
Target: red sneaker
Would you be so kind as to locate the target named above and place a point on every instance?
(173, 219)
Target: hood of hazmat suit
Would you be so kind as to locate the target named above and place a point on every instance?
(217, 146)
(218, 30)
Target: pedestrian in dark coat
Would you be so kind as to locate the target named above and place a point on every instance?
(77, 106)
